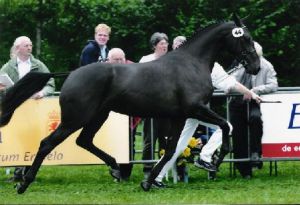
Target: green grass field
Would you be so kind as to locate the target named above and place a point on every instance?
(93, 185)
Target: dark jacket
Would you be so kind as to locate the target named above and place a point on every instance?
(91, 53)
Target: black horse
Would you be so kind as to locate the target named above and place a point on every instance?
(177, 85)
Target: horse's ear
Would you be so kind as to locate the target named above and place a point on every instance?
(237, 20)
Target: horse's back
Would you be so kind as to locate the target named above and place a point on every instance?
(162, 87)
(159, 88)
(86, 78)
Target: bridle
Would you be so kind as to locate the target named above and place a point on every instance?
(241, 58)
(243, 55)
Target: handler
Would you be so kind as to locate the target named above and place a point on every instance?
(221, 80)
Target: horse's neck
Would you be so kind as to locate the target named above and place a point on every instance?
(209, 44)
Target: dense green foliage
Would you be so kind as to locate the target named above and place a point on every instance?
(66, 25)
(93, 185)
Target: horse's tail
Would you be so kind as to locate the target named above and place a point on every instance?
(21, 91)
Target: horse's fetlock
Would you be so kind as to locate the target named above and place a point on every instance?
(114, 164)
(28, 179)
(225, 150)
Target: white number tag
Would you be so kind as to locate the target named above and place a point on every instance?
(237, 32)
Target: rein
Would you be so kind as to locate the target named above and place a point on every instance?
(234, 69)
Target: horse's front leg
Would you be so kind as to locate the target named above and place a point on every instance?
(225, 147)
(170, 156)
(170, 150)
(207, 115)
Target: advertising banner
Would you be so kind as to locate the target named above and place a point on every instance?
(36, 119)
(281, 125)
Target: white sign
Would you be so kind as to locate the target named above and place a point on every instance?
(281, 125)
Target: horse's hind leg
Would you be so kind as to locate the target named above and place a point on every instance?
(85, 140)
(207, 115)
(46, 146)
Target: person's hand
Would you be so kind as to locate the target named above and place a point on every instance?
(2, 87)
(252, 95)
(255, 97)
(247, 96)
(38, 95)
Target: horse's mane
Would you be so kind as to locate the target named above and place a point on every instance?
(201, 30)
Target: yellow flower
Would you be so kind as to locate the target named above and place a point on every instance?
(186, 152)
(193, 142)
(162, 152)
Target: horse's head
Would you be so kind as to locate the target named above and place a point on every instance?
(243, 46)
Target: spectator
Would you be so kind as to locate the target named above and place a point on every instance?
(96, 50)
(117, 55)
(159, 43)
(22, 62)
(177, 41)
(263, 83)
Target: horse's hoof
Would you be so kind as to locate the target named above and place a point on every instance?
(146, 185)
(115, 173)
(21, 188)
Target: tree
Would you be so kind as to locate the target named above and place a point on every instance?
(60, 29)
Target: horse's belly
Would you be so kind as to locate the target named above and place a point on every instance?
(149, 110)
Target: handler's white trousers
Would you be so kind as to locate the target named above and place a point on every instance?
(207, 151)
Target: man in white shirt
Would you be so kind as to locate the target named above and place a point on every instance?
(21, 63)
